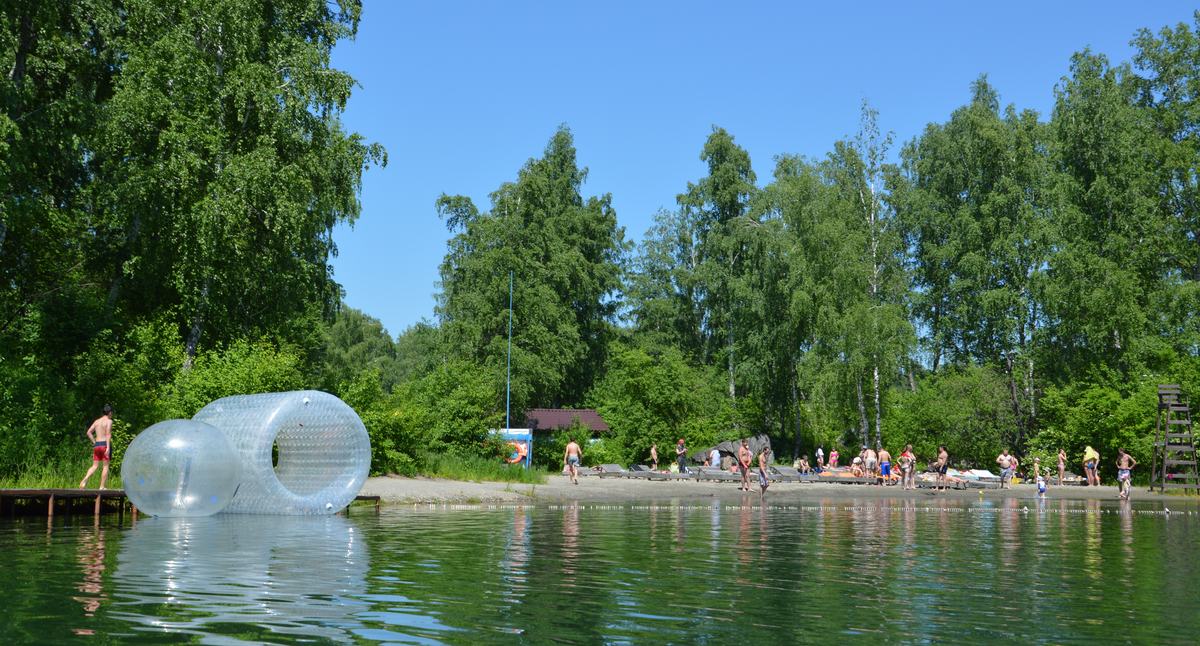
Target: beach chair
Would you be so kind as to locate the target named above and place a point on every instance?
(611, 471)
(643, 472)
(714, 474)
(784, 474)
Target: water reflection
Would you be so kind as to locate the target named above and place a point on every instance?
(584, 573)
(90, 556)
(277, 575)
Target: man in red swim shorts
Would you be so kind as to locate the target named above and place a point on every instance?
(100, 433)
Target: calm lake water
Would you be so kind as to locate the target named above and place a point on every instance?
(883, 570)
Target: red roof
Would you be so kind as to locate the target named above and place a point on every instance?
(551, 419)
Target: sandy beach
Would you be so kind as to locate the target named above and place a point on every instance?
(400, 490)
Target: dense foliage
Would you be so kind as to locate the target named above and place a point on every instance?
(170, 174)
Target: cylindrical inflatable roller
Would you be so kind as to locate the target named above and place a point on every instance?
(324, 451)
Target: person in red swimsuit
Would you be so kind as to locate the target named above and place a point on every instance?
(100, 433)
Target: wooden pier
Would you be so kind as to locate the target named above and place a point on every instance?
(66, 500)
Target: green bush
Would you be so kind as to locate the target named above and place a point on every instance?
(966, 410)
(655, 397)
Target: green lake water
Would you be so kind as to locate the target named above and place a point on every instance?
(872, 570)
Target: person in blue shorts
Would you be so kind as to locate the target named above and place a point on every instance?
(1125, 465)
(763, 481)
(571, 459)
(885, 465)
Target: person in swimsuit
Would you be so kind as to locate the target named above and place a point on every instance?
(942, 464)
(1062, 465)
(820, 459)
(100, 434)
(763, 481)
(833, 458)
(885, 465)
(572, 457)
(1125, 465)
(1006, 467)
(744, 457)
(907, 471)
(870, 461)
(654, 457)
(1091, 460)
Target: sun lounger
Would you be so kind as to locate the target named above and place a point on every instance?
(643, 472)
(611, 471)
(785, 474)
(715, 474)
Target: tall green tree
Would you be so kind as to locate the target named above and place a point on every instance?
(565, 253)
(974, 196)
(224, 165)
(718, 206)
(862, 322)
(1109, 234)
(1168, 85)
(356, 343)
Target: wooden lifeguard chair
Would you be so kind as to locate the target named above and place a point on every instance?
(1175, 461)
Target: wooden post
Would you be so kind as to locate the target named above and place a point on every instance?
(96, 511)
(50, 507)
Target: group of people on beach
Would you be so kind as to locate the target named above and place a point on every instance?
(878, 465)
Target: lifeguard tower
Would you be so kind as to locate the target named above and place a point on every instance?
(1174, 465)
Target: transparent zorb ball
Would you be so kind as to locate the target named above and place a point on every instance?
(323, 451)
(180, 467)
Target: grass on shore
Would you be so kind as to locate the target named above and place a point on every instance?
(62, 474)
(476, 469)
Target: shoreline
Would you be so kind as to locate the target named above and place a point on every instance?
(398, 490)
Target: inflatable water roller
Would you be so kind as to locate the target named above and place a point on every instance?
(296, 453)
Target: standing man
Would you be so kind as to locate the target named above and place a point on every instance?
(100, 434)
(681, 455)
(820, 459)
(942, 464)
(870, 461)
(744, 456)
(763, 481)
(1091, 462)
(654, 457)
(1062, 465)
(885, 465)
(714, 458)
(1125, 465)
(1006, 467)
(572, 457)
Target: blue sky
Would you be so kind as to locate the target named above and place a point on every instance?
(463, 93)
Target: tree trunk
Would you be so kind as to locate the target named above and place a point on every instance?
(862, 410)
(732, 386)
(1016, 402)
(799, 418)
(193, 338)
(878, 411)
